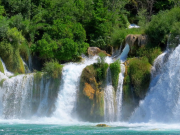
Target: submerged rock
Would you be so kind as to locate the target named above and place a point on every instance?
(102, 125)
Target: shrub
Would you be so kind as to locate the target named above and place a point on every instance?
(115, 70)
(24, 51)
(150, 53)
(101, 71)
(53, 68)
(139, 75)
(161, 25)
(11, 57)
(175, 35)
(101, 59)
(15, 37)
(100, 42)
(3, 27)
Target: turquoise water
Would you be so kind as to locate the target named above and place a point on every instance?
(89, 129)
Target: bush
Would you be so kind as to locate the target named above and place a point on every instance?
(100, 42)
(139, 75)
(115, 70)
(53, 68)
(15, 37)
(24, 51)
(11, 57)
(161, 25)
(175, 35)
(150, 53)
(3, 27)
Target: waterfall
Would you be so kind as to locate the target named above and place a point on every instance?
(124, 53)
(17, 96)
(119, 93)
(30, 64)
(109, 103)
(6, 72)
(66, 101)
(162, 104)
(25, 96)
(112, 100)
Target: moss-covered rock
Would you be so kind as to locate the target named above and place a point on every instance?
(1, 67)
(90, 103)
(115, 70)
(138, 75)
(40, 81)
(14, 62)
(53, 68)
(102, 125)
(136, 83)
(136, 41)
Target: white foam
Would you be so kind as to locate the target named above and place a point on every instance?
(133, 26)
(162, 103)
(68, 90)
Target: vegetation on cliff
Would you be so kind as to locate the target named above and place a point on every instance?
(91, 93)
(1, 67)
(63, 30)
(53, 68)
(115, 70)
(137, 77)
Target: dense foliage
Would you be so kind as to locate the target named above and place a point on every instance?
(63, 30)
(137, 77)
(161, 25)
(115, 70)
(53, 68)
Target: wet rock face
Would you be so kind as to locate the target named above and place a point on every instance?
(136, 41)
(92, 51)
(90, 101)
(139, 40)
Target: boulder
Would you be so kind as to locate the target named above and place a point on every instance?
(139, 40)
(136, 41)
(102, 125)
(90, 101)
(92, 51)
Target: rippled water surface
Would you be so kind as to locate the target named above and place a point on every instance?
(26, 127)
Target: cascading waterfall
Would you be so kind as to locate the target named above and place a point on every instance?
(24, 96)
(22, 99)
(17, 96)
(162, 104)
(119, 93)
(109, 102)
(66, 101)
(158, 64)
(124, 53)
(30, 64)
(6, 72)
(113, 102)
